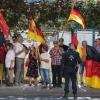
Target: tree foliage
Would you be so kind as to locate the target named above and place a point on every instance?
(49, 14)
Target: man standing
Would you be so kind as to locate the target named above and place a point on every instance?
(65, 48)
(62, 45)
(70, 60)
(19, 61)
(56, 58)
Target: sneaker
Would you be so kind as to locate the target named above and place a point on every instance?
(44, 86)
(49, 86)
(16, 84)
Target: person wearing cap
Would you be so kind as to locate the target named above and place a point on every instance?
(56, 58)
(70, 59)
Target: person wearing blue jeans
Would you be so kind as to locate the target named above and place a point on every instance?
(45, 67)
(56, 62)
(45, 75)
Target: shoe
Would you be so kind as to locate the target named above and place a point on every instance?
(30, 84)
(10, 84)
(54, 85)
(50, 86)
(65, 96)
(16, 84)
(75, 96)
(59, 86)
(44, 86)
(82, 83)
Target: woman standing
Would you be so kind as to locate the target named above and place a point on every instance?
(32, 71)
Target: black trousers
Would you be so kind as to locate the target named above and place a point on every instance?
(73, 77)
(56, 74)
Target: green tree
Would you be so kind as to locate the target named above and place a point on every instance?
(50, 14)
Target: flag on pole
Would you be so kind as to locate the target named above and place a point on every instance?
(3, 26)
(92, 67)
(76, 43)
(2, 52)
(35, 32)
(74, 39)
(76, 16)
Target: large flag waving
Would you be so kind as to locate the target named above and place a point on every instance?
(35, 32)
(76, 16)
(3, 26)
(92, 67)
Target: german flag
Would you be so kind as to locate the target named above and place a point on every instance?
(76, 16)
(92, 67)
(3, 26)
(35, 32)
(76, 43)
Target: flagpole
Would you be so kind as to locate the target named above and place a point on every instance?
(73, 4)
(72, 28)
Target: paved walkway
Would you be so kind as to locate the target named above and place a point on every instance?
(25, 92)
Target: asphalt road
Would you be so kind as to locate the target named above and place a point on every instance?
(25, 92)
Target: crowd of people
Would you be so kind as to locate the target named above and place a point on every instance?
(41, 60)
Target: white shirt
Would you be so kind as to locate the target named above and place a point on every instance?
(18, 47)
(9, 57)
(45, 65)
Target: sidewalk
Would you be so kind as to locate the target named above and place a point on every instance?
(26, 91)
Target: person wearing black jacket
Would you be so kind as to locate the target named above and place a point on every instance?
(70, 59)
(65, 48)
(62, 45)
